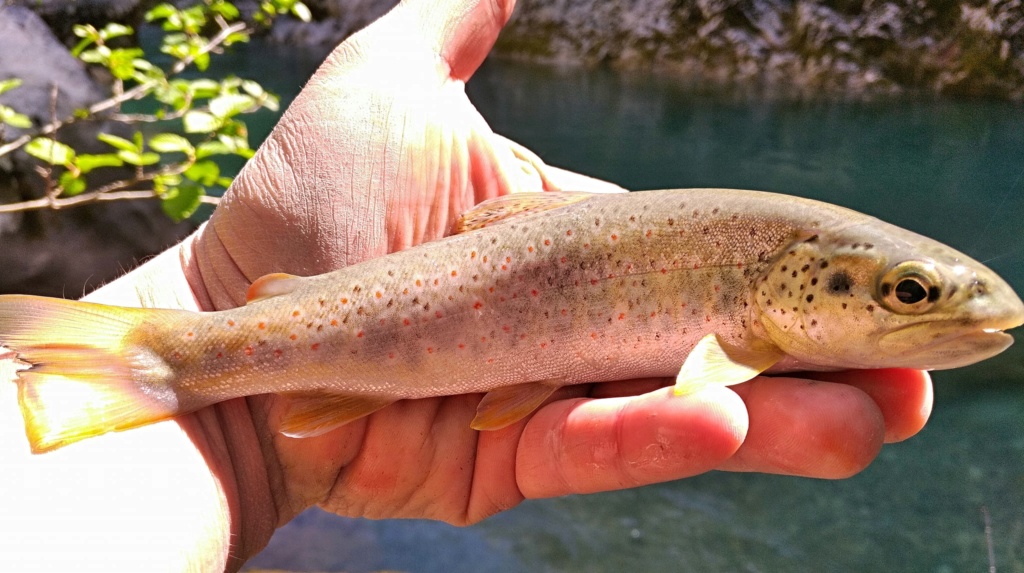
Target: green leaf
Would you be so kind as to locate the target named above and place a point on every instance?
(225, 9)
(118, 142)
(71, 184)
(171, 143)
(301, 11)
(203, 172)
(225, 182)
(122, 62)
(181, 201)
(8, 85)
(230, 105)
(201, 60)
(87, 162)
(139, 159)
(50, 151)
(208, 148)
(114, 30)
(161, 12)
(200, 122)
(13, 118)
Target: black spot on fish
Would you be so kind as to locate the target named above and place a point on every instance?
(426, 306)
(671, 222)
(597, 222)
(805, 268)
(814, 323)
(784, 268)
(824, 264)
(839, 282)
(812, 239)
(794, 274)
(933, 293)
(870, 307)
(814, 281)
(391, 273)
(391, 301)
(810, 298)
(844, 306)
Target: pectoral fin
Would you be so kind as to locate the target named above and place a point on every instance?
(315, 413)
(271, 285)
(505, 406)
(715, 363)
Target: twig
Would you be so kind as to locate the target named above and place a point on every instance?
(88, 198)
(988, 539)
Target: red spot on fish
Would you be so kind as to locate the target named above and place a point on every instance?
(334, 322)
(611, 276)
(294, 336)
(682, 305)
(261, 326)
(501, 298)
(483, 339)
(315, 346)
(176, 355)
(472, 255)
(485, 258)
(506, 328)
(490, 289)
(461, 346)
(435, 282)
(190, 334)
(707, 318)
(504, 268)
(344, 300)
(295, 313)
(593, 281)
(430, 350)
(593, 335)
(405, 291)
(391, 355)
(534, 292)
(438, 314)
(568, 233)
(663, 270)
(378, 295)
(586, 245)
(231, 323)
(543, 344)
(739, 265)
(359, 334)
(649, 233)
(220, 355)
(522, 337)
(455, 273)
(248, 350)
(478, 305)
(382, 323)
(653, 314)
(622, 316)
(490, 361)
(508, 259)
(278, 353)
(565, 312)
(564, 260)
(547, 242)
(696, 265)
(406, 321)
(529, 249)
(615, 237)
(419, 282)
(718, 288)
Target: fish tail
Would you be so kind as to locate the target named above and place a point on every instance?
(87, 373)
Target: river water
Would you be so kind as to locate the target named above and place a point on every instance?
(951, 170)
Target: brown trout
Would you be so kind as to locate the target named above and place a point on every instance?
(534, 292)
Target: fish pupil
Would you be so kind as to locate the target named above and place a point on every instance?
(910, 291)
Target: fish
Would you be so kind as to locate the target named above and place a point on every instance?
(531, 292)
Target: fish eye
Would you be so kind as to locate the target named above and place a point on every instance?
(911, 287)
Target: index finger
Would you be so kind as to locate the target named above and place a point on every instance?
(589, 445)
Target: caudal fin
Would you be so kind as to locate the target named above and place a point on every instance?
(87, 374)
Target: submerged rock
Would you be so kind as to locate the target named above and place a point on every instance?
(806, 47)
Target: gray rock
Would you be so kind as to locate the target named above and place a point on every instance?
(61, 15)
(62, 252)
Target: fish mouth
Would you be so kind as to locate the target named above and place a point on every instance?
(944, 344)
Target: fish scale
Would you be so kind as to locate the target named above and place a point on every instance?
(538, 291)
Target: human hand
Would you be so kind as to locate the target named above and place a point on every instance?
(382, 151)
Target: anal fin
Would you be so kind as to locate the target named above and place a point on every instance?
(268, 286)
(314, 413)
(715, 363)
(504, 406)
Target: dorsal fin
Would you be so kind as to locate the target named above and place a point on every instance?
(506, 207)
(271, 285)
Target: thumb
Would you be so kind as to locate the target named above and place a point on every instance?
(462, 32)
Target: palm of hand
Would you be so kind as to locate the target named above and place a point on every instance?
(382, 151)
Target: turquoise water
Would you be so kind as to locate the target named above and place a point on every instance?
(951, 170)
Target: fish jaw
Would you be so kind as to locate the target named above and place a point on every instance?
(945, 344)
